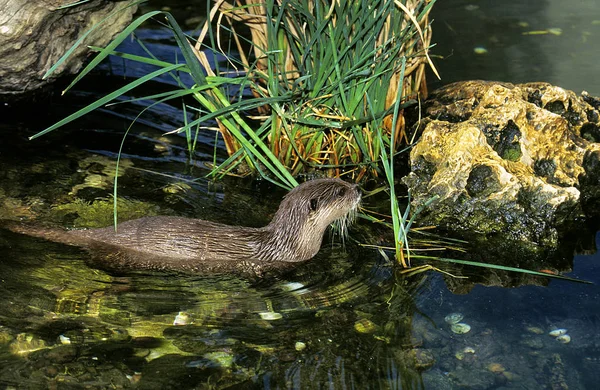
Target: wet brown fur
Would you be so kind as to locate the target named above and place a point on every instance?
(186, 244)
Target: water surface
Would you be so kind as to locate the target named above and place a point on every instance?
(346, 319)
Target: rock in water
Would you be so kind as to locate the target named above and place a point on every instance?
(505, 160)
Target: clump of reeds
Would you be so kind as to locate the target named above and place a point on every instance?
(338, 69)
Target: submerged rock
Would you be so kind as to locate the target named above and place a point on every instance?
(506, 161)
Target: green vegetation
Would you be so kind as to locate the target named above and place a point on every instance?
(327, 79)
(320, 86)
(328, 82)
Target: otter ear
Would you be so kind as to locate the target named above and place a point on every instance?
(314, 203)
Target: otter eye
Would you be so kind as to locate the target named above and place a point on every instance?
(314, 203)
(340, 192)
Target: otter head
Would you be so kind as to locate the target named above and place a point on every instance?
(305, 213)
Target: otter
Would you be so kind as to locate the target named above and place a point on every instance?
(193, 245)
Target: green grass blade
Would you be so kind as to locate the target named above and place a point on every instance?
(137, 58)
(188, 54)
(85, 35)
(505, 268)
(75, 4)
(109, 48)
(105, 99)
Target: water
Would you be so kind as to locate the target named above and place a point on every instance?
(344, 320)
(501, 27)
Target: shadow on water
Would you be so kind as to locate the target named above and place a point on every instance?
(343, 320)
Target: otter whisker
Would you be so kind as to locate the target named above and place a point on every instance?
(340, 225)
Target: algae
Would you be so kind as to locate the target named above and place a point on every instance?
(100, 212)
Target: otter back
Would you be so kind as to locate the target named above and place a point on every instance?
(160, 243)
(294, 234)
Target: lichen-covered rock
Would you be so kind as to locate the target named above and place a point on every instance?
(505, 159)
(34, 34)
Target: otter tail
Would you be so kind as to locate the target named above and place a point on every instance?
(47, 233)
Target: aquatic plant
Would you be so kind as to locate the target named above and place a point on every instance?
(325, 79)
(344, 68)
(323, 87)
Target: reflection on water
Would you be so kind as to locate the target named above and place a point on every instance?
(65, 323)
(538, 40)
(343, 320)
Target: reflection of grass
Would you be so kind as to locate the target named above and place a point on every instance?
(439, 261)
